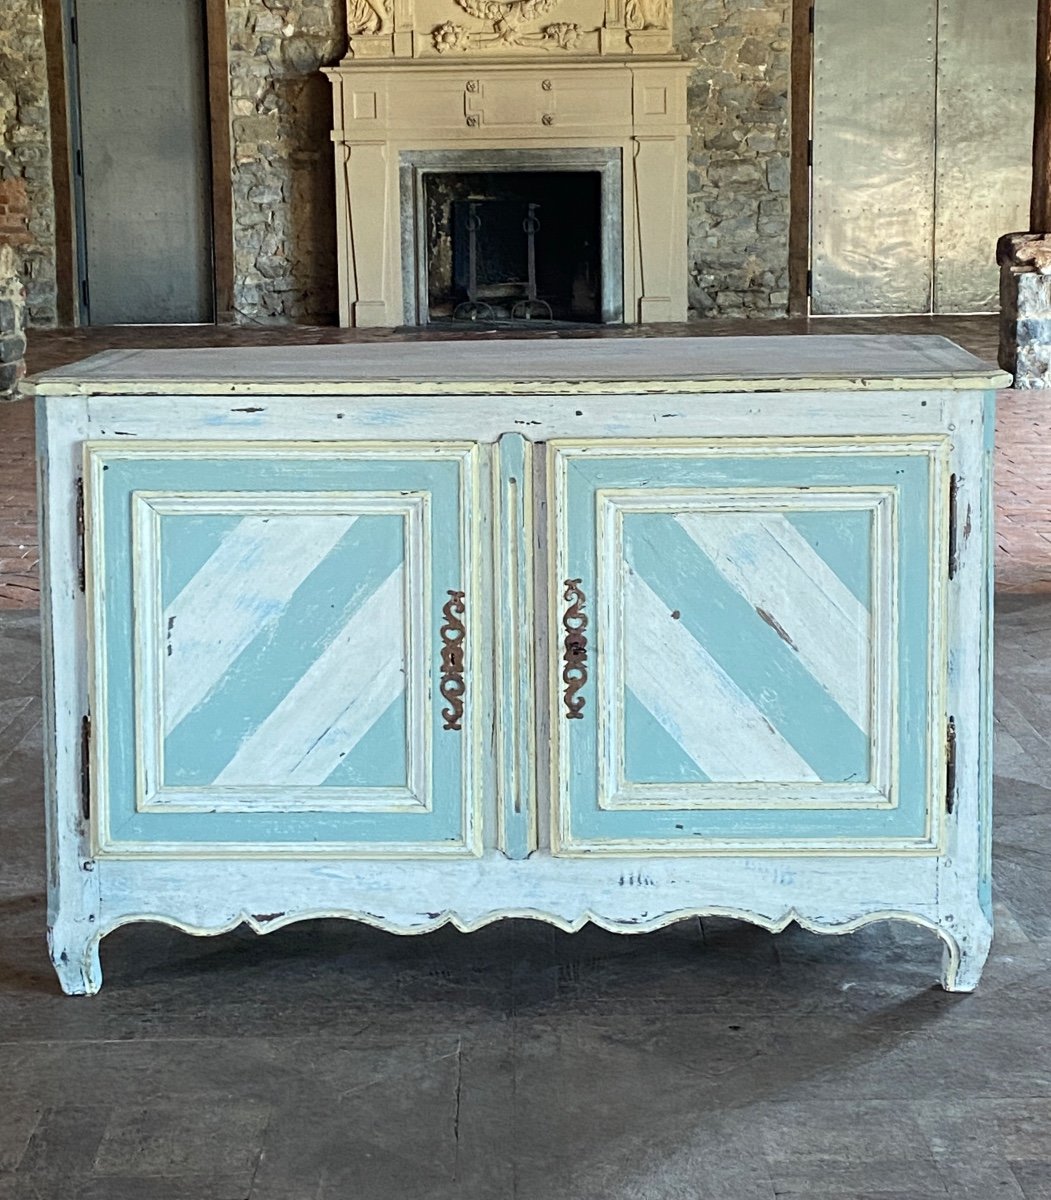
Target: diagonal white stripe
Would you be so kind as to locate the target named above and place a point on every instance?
(696, 701)
(765, 558)
(244, 585)
(335, 703)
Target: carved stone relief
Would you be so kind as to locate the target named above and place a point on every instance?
(451, 28)
(367, 16)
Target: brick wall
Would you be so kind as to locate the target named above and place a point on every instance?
(14, 213)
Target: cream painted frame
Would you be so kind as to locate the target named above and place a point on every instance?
(610, 652)
(149, 655)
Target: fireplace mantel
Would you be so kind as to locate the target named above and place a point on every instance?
(386, 112)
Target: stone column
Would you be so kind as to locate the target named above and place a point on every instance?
(12, 325)
(1025, 258)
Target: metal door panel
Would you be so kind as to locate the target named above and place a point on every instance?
(874, 155)
(985, 138)
(146, 161)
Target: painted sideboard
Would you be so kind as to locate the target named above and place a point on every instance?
(616, 630)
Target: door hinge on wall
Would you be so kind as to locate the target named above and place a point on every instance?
(950, 765)
(953, 550)
(81, 556)
(810, 152)
(811, 18)
(85, 767)
(809, 282)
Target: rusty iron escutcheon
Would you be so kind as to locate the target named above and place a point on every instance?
(453, 634)
(575, 652)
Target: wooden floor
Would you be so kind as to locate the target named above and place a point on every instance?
(709, 1061)
(1023, 451)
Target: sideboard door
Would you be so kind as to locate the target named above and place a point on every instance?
(748, 645)
(283, 648)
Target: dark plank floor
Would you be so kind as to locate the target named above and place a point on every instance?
(711, 1061)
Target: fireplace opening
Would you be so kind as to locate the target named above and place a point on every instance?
(514, 246)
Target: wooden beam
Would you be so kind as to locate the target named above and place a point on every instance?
(222, 185)
(799, 184)
(1040, 210)
(66, 308)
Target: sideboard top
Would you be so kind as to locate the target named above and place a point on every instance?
(823, 362)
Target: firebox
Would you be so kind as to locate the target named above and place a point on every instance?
(512, 236)
(514, 246)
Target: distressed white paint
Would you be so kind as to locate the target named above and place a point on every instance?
(89, 896)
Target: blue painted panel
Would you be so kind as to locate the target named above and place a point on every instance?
(282, 650)
(840, 538)
(651, 753)
(289, 635)
(763, 666)
(687, 578)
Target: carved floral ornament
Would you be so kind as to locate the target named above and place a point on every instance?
(505, 23)
(506, 18)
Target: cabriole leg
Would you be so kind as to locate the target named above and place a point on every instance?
(75, 955)
(964, 956)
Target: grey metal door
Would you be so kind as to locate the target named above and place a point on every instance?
(922, 127)
(145, 181)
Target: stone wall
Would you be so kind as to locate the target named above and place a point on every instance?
(27, 202)
(283, 184)
(12, 324)
(739, 156)
(283, 175)
(283, 188)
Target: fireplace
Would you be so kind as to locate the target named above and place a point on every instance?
(514, 235)
(598, 146)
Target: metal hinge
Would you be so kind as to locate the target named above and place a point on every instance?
(950, 765)
(85, 767)
(953, 551)
(81, 555)
(811, 18)
(810, 152)
(85, 295)
(73, 32)
(809, 282)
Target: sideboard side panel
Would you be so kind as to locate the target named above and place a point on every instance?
(74, 905)
(964, 875)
